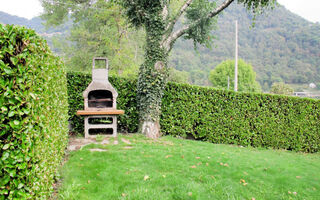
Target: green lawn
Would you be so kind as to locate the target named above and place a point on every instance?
(171, 168)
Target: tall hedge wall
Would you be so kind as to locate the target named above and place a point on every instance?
(33, 115)
(219, 116)
(259, 120)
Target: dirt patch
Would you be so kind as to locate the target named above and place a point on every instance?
(77, 143)
(125, 141)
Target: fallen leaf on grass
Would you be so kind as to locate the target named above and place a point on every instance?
(253, 198)
(89, 181)
(243, 182)
(123, 194)
(190, 193)
(213, 177)
(146, 177)
(289, 192)
(224, 164)
(193, 166)
(207, 164)
(200, 163)
(182, 156)
(298, 176)
(168, 156)
(197, 157)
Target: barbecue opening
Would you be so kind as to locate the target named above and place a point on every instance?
(100, 99)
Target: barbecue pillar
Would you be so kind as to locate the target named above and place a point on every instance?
(100, 108)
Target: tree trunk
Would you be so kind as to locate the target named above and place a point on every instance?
(153, 75)
(151, 129)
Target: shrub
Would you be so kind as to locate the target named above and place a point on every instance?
(218, 116)
(78, 82)
(281, 88)
(33, 117)
(258, 120)
(246, 76)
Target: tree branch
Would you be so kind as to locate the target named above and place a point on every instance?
(174, 36)
(165, 12)
(180, 12)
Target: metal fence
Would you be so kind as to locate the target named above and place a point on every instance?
(314, 95)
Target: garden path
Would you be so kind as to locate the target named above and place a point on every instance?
(78, 143)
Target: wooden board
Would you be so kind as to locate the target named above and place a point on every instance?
(100, 112)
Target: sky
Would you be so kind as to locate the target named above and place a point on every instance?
(308, 9)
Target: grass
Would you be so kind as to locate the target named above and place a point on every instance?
(172, 168)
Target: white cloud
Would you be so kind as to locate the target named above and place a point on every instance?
(21, 8)
(308, 9)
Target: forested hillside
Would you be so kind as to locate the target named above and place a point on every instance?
(34, 23)
(281, 47)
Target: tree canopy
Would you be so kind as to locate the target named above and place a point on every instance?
(246, 76)
(281, 88)
(99, 29)
(159, 19)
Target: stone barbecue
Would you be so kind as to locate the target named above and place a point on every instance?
(100, 104)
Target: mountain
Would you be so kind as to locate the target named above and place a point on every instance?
(282, 46)
(34, 23)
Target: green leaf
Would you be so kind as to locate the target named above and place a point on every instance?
(5, 180)
(4, 109)
(12, 172)
(11, 113)
(8, 70)
(20, 185)
(5, 156)
(6, 146)
(32, 95)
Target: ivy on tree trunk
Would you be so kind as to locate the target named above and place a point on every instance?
(159, 25)
(153, 75)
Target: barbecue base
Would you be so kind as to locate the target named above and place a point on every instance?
(108, 114)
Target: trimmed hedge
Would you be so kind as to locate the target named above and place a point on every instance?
(33, 116)
(249, 119)
(78, 82)
(218, 116)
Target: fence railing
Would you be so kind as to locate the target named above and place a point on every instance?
(315, 95)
